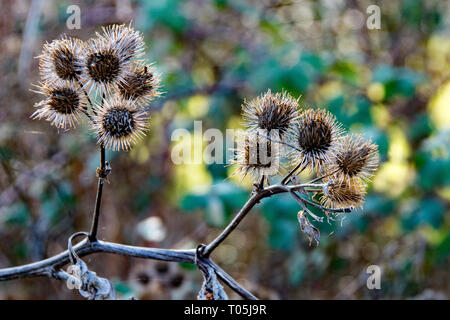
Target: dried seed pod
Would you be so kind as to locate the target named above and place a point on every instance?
(119, 124)
(316, 138)
(356, 158)
(342, 194)
(257, 155)
(272, 112)
(110, 55)
(140, 84)
(61, 60)
(63, 106)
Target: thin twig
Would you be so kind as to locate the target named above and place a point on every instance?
(267, 192)
(86, 111)
(98, 199)
(288, 176)
(234, 223)
(324, 176)
(334, 210)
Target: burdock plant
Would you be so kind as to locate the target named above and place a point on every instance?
(312, 140)
(279, 135)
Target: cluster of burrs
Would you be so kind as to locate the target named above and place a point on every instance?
(279, 135)
(107, 69)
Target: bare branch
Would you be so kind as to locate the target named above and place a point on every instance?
(50, 267)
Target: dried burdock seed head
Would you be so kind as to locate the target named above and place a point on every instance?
(61, 60)
(356, 158)
(257, 155)
(110, 55)
(140, 84)
(316, 138)
(63, 106)
(119, 124)
(272, 112)
(342, 194)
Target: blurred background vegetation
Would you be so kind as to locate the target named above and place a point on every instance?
(390, 84)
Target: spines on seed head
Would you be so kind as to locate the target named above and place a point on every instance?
(61, 60)
(110, 55)
(343, 194)
(271, 112)
(256, 155)
(355, 159)
(141, 84)
(316, 138)
(63, 105)
(119, 124)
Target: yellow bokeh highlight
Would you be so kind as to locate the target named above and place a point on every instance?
(198, 106)
(192, 175)
(192, 178)
(439, 107)
(399, 149)
(376, 92)
(393, 178)
(246, 183)
(202, 74)
(235, 123)
(432, 235)
(330, 90)
(438, 48)
(395, 175)
(444, 193)
(140, 153)
(380, 115)
(390, 227)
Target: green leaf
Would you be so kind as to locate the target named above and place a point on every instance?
(428, 211)
(16, 215)
(192, 202)
(214, 212)
(434, 173)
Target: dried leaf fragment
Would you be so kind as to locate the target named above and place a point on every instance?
(311, 232)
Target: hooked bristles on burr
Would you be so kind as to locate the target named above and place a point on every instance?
(140, 84)
(315, 138)
(355, 159)
(118, 124)
(63, 105)
(61, 60)
(110, 55)
(257, 155)
(343, 194)
(107, 64)
(272, 112)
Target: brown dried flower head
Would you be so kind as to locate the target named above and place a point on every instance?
(342, 194)
(63, 105)
(119, 124)
(356, 159)
(272, 112)
(316, 138)
(61, 60)
(140, 84)
(109, 56)
(256, 155)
